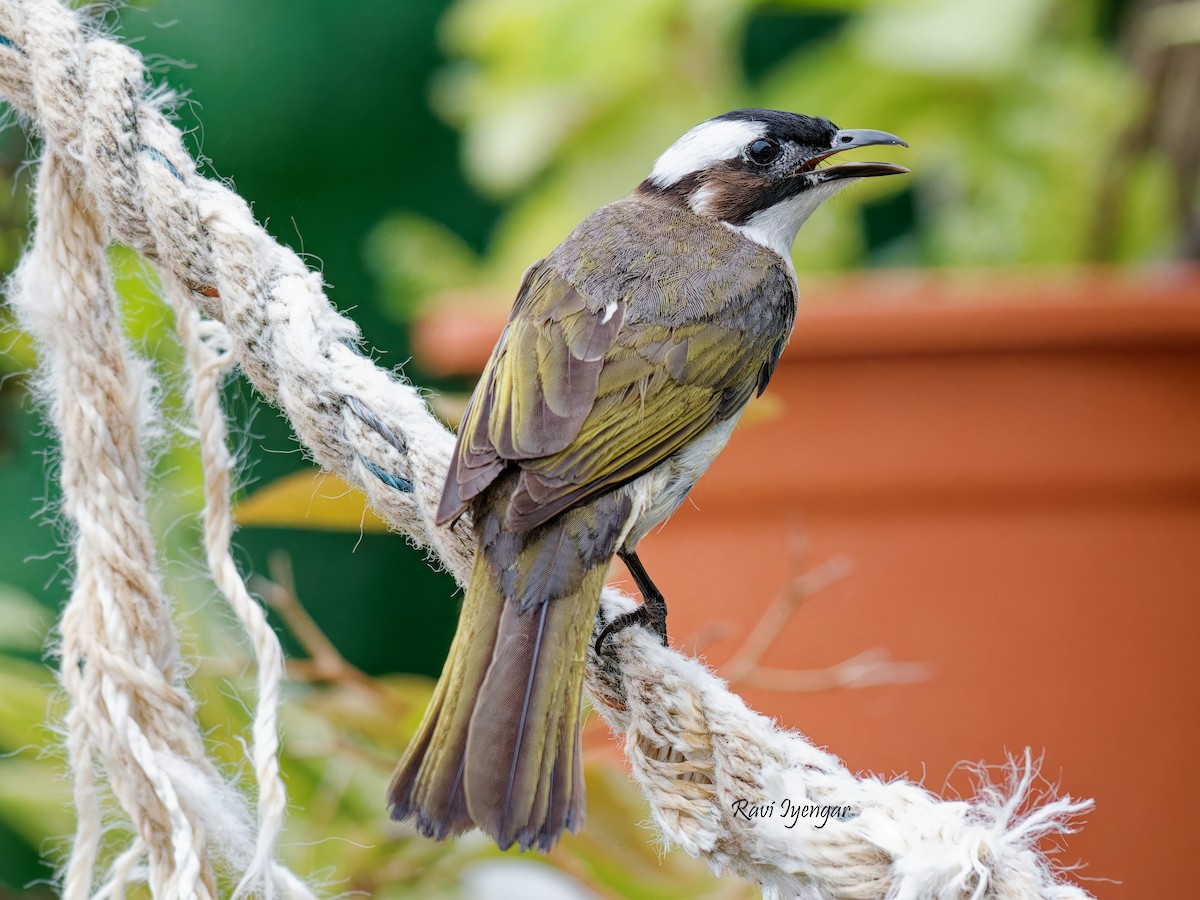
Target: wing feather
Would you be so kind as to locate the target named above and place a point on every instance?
(580, 401)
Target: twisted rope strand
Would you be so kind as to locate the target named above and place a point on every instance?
(209, 359)
(695, 750)
(130, 714)
(140, 729)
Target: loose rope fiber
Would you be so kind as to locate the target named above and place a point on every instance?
(114, 168)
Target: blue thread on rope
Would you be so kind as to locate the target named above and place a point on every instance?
(156, 155)
(373, 421)
(393, 481)
(6, 41)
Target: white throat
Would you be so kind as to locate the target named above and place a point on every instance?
(777, 226)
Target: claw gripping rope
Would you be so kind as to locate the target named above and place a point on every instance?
(114, 169)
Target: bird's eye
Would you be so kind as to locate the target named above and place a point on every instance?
(762, 152)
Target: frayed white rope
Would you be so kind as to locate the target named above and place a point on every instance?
(729, 785)
(130, 716)
(209, 360)
(700, 756)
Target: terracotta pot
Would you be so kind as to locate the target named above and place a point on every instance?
(1012, 464)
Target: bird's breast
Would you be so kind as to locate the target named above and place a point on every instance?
(658, 493)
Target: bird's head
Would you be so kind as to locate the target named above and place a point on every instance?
(759, 171)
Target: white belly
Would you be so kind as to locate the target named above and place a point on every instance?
(659, 492)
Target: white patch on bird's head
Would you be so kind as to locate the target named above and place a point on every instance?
(706, 144)
(776, 226)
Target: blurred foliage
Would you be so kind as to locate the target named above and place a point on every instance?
(1011, 110)
(324, 116)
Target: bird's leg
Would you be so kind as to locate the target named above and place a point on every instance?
(652, 612)
(653, 601)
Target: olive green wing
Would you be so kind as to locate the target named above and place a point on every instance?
(536, 389)
(583, 394)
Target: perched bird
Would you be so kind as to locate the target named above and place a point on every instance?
(629, 354)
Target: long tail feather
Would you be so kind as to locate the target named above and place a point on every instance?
(499, 747)
(524, 732)
(428, 782)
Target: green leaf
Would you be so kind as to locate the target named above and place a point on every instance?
(310, 498)
(25, 692)
(24, 623)
(35, 799)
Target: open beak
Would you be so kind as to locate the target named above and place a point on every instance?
(851, 139)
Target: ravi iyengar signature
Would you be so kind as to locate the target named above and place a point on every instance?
(792, 811)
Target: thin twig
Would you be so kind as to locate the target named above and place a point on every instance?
(325, 662)
(871, 667)
(769, 627)
(867, 669)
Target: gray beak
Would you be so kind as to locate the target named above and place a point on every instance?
(851, 139)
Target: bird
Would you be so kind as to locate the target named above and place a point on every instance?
(629, 354)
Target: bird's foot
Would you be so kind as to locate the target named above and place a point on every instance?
(652, 613)
(643, 615)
